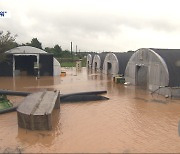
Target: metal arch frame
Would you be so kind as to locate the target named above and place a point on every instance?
(162, 61)
(93, 63)
(157, 55)
(90, 60)
(105, 60)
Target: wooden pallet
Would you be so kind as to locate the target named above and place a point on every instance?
(35, 112)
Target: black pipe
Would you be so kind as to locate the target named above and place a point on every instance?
(19, 93)
(82, 98)
(73, 97)
(11, 109)
(14, 93)
(84, 93)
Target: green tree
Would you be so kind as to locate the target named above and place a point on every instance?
(35, 43)
(57, 50)
(7, 42)
(66, 54)
(49, 50)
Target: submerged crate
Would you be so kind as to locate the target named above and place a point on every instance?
(119, 79)
(115, 76)
(63, 74)
(35, 112)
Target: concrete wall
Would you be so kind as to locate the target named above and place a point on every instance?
(157, 72)
(111, 59)
(96, 62)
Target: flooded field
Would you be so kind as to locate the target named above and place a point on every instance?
(131, 121)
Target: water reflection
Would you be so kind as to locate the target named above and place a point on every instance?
(43, 138)
(28, 83)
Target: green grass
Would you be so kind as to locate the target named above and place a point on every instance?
(5, 104)
(68, 62)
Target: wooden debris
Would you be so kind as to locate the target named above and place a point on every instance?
(35, 112)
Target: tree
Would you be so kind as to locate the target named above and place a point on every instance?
(57, 50)
(49, 50)
(66, 54)
(7, 42)
(35, 43)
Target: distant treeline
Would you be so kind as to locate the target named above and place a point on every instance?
(8, 41)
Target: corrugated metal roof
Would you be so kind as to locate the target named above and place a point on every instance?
(26, 50)
(172, 60)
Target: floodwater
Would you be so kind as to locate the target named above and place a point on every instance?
(132, 121)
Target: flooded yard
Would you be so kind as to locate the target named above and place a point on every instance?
(131, 121)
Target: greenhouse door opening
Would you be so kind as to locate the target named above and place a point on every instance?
(25, 65)
(95, 65)
(142, 76)
(109, 67)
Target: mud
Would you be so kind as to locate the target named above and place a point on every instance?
(131, 121)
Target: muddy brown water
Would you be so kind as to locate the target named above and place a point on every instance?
(132, 121)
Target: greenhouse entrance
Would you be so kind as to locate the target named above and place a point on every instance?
(26, 64)
(142, 76)
(109, 68)
(95, 66)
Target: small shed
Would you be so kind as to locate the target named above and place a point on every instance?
(27, 60)
(155, 69)
(89, 61)
(98, 61)
(115, 63)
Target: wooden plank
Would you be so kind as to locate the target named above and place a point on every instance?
(57, 104)
(29, 103)
(47, 103)
(55, 99)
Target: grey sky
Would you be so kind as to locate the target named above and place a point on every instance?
(95, 25)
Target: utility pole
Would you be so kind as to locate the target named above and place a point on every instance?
(71, 48)
(72, 51)
(76, 49)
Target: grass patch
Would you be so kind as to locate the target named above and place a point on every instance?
(4, 104)
(69, 62)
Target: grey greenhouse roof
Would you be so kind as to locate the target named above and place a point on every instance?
(26, 50)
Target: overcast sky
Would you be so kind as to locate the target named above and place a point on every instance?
(95, 25)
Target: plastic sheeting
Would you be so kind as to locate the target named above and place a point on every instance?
(172, 60)
(123, 59)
